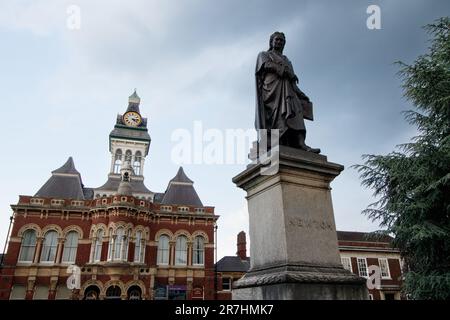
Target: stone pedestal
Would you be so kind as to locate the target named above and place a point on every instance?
(294, 247)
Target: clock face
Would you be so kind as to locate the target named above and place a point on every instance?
(132, 119)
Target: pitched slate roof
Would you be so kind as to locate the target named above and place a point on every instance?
(88, 193)
(180, 191)
(65, 183)
(362, 236)
(157, 198)
(122, 131)
(232, 264)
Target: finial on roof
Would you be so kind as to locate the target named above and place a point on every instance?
(67, 168)
(134, 98)
(181, 177)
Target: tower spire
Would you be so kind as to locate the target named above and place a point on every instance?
(134, 98)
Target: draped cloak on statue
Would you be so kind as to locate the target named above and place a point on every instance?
(280, 104)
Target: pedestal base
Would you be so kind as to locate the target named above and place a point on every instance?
(300, 282)
(294, 247)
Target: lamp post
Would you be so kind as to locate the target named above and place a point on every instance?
(215, 261)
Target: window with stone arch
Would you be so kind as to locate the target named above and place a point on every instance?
(137, 163)
(198, 251)
(70, 247)
(111, 245)
(117, 161)
(120, 235)
(121, 245)
(128, 156)
(28, 246)
(181, 250)
(49, 246)
(139, 249)
(98, 243)
(163, 250)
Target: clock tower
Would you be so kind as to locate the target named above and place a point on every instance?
(129, 142)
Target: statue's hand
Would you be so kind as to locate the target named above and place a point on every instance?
(275, 67)
(290, 75)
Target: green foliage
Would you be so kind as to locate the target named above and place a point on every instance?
(412, 184)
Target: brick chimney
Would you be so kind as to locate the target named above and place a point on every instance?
(241, 246)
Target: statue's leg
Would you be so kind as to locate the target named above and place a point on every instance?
(303, 145)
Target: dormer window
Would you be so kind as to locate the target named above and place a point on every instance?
(35, 201)
(183, 209)
(57, 202)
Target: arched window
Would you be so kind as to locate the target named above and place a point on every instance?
(70, 247)
(134, 293)
(49, 247)
(199, 250)
(137, 163)
(98, 246)
(118, 161)
(128, 156)
(121, 245)
(113, 292)
(139, 248)
(111, 245)
(163, 249)
(181, 250)
(91, 293)
(28, 246)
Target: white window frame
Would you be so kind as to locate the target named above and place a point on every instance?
(388, 276)
(349, 263)
(28, 247)
(66, 254)
(98, 245)
(121, 245)
(359, 267)
(161, 251)
(195, 250)
(139, 247)
(230, 282)
(181, 252)
(43, 259)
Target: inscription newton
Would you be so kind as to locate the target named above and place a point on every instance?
(309, 223)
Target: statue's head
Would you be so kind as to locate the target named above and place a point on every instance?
(277, 41)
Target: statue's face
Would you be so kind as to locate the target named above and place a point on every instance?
(278, 42)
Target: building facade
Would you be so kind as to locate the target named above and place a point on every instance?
(117, 241)
(374, 258)
(363, 254)
(232, 268)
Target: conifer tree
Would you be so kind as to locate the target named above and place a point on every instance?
(412, 184)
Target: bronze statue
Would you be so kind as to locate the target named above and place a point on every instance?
(280, 104)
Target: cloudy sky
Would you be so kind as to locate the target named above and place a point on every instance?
(61, 88)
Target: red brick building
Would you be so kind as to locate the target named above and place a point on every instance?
(232, 268)
(361, 253)
(129, 242)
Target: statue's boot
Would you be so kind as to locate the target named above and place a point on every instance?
(305, 147)
(309, 149)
